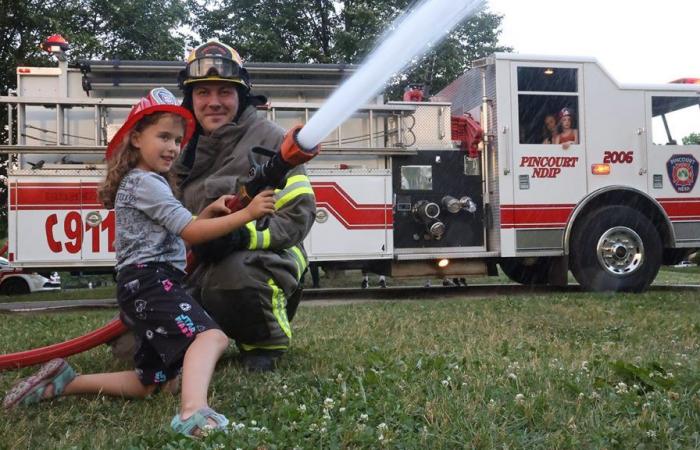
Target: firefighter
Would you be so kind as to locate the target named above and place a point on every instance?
(249, 281)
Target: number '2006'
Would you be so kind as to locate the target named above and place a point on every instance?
(618, 157)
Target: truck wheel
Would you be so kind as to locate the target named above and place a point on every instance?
(616, 248)
(527, 271)
(14, 286)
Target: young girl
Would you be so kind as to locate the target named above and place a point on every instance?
(549, 130)
(174, 333)
(567, 133)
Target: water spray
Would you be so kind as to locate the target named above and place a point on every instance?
(413, 34)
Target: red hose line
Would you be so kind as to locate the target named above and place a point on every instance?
(102, 335)
(111, 331)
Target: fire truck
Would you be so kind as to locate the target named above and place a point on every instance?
(538, 164)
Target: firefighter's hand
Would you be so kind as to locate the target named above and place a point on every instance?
(262, 204)
(216, 208)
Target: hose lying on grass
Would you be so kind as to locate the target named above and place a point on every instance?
(102, 335)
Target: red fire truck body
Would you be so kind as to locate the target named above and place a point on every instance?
(574, 171)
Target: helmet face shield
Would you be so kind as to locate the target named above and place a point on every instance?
(214, 61)
(213, 66)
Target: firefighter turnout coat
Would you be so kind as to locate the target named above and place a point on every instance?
(246, 291)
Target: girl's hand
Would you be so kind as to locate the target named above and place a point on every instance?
(262, 204)
(216, 208)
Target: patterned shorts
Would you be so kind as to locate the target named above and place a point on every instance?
(164, 318)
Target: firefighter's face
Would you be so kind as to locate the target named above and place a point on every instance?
(159, 144)
(214, 104)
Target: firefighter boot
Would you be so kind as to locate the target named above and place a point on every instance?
(260, 360)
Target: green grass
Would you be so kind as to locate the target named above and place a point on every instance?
(557, 371)
(678, 275)
(64, 294)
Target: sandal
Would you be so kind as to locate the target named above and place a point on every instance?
(199, 422)
(56, 373)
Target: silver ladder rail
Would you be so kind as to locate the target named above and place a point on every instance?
(384, 122)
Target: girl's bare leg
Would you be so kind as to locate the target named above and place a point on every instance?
(116, 384)
(197, 369)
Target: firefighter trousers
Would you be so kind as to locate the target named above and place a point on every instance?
(256, 318)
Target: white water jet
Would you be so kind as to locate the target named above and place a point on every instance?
(415, 32)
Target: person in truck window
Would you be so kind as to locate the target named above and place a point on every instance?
(173, 332)
(249, 280)
(567, 133)
(549, 129)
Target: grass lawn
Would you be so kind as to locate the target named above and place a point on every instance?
(557, 371)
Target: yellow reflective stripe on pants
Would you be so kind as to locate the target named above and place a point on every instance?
(248, 347)
(279, 307)
(258, 239)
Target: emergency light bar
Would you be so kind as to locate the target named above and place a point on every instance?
(686, 81)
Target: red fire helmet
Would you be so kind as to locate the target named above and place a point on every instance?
(158, 100)
(565, 112)
(54, 40)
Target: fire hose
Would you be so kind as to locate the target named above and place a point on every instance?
(270, 174)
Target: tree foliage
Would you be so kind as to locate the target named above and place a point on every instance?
(692, 139)
(96, 29)
(324, 31)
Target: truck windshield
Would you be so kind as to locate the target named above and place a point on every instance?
(675, 120)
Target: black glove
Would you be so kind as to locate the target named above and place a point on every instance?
(216, 250)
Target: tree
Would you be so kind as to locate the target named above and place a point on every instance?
(324, 31)
(137, 29)
(692, 139)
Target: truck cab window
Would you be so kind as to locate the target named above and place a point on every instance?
(675, 120)
(548, 105)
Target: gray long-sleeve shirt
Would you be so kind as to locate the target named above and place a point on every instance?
(149, 221)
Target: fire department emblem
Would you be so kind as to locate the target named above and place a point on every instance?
(163, 96)
(683, 172)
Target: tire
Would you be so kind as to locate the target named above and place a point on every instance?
(527, 271)
(615, 248)
(14, 286)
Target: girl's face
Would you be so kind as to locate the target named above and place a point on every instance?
(566, 122)
(159, 144)
(550, 122)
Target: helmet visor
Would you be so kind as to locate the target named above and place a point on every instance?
(213, 66)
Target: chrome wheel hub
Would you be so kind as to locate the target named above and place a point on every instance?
(620, 251)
